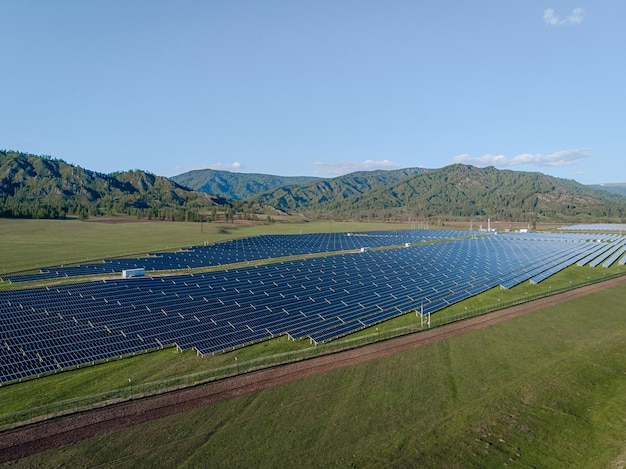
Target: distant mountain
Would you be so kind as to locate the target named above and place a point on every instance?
(616, 188)
(41, 187)
(333, 192)
(235, 186)
(454, 191)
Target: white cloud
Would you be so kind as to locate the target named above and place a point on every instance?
(551, 18)
(339, 168)
(236, 166)
(552, 160)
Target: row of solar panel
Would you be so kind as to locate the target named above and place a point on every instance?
(321, 298)
(245, 250)
(603, 227)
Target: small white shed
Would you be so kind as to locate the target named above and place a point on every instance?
(128, 273)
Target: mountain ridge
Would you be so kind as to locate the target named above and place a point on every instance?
(456, 190)
(235, 186)
(43, 187)
(613, 188)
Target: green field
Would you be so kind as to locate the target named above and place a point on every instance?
(545, 390)
(31, 244)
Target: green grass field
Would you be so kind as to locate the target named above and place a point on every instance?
(546, 390)
(31, 244)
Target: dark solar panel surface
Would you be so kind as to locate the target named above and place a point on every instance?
(48, 329)
(245, 250)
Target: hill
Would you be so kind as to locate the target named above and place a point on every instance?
(329, 194)
(615, 188)
(453, 191)
(42, 187)
(236, 186)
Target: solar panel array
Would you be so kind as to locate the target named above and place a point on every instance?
(48, 329)
(603, 227)
(244, 250)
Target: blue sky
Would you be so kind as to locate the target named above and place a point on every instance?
(318, 88)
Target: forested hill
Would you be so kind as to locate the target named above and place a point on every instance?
(42, 187)
(329, 194)
(454, 191)
(235, 186)
(617, 188)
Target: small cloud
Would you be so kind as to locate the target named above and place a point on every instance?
(552, 160)
(236, 166)
(551, 18)
(339, 168)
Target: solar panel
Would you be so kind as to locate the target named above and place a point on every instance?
(47, 329)
(245, 250)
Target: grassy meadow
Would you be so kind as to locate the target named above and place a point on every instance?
(544, 390)
(30, 244)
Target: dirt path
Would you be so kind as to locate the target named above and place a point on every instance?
(70, 429)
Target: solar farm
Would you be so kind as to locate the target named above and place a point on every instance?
(334, 284)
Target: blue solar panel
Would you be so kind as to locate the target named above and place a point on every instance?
(47, 329)
(246, 250)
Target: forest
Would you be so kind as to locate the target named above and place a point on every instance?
(43, 187)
